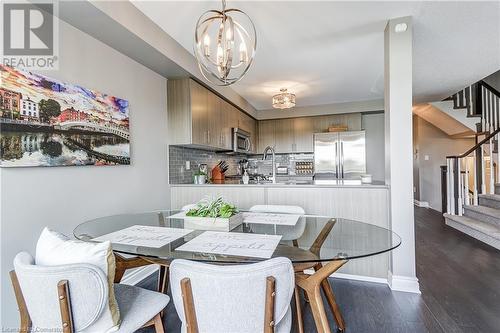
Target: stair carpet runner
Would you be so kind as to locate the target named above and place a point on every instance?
(481, 222)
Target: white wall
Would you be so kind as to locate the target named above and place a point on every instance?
(63, 197)
(373, 124)
(436, 145)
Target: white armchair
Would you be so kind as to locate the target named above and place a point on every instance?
(71, 298)
(236, 298)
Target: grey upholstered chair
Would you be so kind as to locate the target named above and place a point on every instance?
(289, 233)
(233, 299)
(42, 295)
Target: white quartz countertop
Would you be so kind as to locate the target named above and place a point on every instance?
(316, 183)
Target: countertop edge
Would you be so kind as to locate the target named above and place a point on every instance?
(367, 186)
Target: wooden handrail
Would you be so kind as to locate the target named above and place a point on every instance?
(490, 88)
(480, 143)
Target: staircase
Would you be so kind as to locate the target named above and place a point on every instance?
(473, 178)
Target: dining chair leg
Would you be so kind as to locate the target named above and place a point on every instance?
(298, 307)
(158, 324)
(163, 279)
(23, 309)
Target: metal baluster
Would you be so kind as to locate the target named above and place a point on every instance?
(492, 169)
(459, 179)
(475, 197)
(466, 182)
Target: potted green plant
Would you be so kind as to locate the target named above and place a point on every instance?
(200, 177)
(215, 214)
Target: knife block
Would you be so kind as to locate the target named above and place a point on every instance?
(217, 175)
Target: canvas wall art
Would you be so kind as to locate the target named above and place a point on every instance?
(46, 122)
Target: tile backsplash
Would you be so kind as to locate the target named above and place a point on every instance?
(179, 155)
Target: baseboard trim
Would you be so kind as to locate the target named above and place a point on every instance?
(397, 283)
(407, 284)
(137, 275)
(360, 278)
(363, 278)
(423, 204)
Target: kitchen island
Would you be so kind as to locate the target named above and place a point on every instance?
(344, 199)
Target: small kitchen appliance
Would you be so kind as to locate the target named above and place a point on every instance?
(241, 141)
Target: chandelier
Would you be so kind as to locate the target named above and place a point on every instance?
(284, 100)
(224, 45)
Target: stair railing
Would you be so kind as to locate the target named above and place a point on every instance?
(480, 99)
(458, 174)
(483, 100)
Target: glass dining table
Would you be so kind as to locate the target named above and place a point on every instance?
(319, 244)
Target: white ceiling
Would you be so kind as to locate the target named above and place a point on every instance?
(332, 52)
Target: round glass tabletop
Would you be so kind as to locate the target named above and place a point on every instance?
(310, 239)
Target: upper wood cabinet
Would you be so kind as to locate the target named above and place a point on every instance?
(198, 117)
(289, 135)
(303, 128)
(199, 114)
(228, 120)
(266, 135)
(283, 135)
(295, 135)
(247, 123)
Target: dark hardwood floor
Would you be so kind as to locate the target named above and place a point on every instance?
(459, 279)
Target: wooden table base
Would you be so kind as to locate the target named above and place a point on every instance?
(312, 285)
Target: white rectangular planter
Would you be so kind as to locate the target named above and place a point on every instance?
(210, 223)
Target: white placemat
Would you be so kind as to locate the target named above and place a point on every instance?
(233, 243)
(142, 235)
(271, 218)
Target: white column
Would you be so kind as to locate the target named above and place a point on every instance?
(398, 150)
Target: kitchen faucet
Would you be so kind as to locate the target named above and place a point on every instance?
(268, 150)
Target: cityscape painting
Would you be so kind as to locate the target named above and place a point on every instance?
(46, 122)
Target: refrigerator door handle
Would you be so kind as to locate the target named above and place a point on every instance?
(342, 158)
(336, 161)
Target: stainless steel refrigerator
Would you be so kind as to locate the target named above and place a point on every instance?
(339, 155)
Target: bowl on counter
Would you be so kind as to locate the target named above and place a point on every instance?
(366, 179)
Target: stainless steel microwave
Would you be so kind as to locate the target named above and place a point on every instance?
(241, 141)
